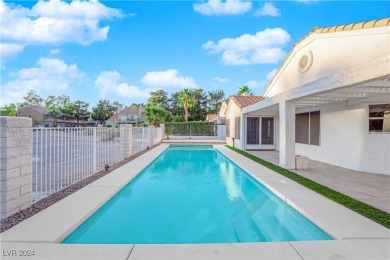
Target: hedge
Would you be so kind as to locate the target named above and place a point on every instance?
(193, 128)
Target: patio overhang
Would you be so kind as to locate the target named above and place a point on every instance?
(365, 83)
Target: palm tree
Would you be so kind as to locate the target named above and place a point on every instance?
(186, 100)
(156, 115)
(244, 89)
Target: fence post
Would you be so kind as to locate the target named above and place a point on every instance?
(221, 129)
(94, 152)
(15, 164)
(151, 135)
(126, 140)
(162, 132)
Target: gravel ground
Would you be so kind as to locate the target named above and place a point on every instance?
(15, 219)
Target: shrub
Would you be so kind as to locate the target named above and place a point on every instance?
(193, 128)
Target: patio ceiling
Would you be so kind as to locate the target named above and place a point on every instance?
(371, 90)
(376, 90)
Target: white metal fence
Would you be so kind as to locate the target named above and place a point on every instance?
(64, 156)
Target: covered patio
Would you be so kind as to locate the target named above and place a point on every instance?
(343, 103)
(372, 189)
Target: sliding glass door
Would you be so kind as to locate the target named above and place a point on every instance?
(267, 130)
(260, 133)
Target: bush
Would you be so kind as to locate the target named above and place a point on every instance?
(194, 128)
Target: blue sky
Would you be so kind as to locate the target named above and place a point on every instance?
(122, 50)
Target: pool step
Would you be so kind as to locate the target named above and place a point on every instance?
(246, 228)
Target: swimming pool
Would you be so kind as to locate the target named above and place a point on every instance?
(194, 194)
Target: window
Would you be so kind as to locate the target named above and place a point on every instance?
(237, 125)
(307, 128)
(379, 118)
(228, 127)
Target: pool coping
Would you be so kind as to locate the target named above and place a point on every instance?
(355, 235)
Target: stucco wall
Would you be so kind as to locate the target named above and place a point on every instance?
(346, 142)
(233, 112)
(333, 52)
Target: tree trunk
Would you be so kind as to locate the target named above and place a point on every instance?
(185, 113)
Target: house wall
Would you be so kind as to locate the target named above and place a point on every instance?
(233, 112)
(37, 117)
(346, 142)
(331, 53)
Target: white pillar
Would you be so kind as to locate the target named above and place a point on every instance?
(15, 164)
(287, 134)
(126, 139)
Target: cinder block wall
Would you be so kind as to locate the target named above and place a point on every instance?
(15, 164)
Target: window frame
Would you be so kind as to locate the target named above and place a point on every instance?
(385, 117)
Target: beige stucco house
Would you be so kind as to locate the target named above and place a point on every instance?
(329, 100)
(231, 111)
(128, 115)
(38, 114)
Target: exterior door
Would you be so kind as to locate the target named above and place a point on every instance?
(267, 133)
(252, 133)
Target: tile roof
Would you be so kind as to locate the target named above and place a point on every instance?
(334, 29)
(347, 27)
(40, 109)
(112, 118)
(211, 116)
(129, 110)
(244, 101)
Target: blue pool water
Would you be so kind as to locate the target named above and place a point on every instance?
(194, 194)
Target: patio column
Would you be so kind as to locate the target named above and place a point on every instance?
(287, 134)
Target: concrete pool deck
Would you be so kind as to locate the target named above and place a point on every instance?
(370, 188)
(355, 236)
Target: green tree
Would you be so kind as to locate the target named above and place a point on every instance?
(198, 111)
(156, 115)
(186, 100)
(244, 89)
(137, 105)
(215, 99)
(56, 105)
(159, 98)
(32, 99)
(174, 105)
(80, 110)
(10, 110)
(103, 110)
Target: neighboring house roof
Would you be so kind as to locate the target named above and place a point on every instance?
(125, 111)
(210, 117)
(129, 110)
(39, 109)
(327, 30)
(112, 118)
(244, 101)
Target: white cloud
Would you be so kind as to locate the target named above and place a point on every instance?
(259, 85)
(168, 78)
(8, 50)
(50, 76)
(271, 74)
(221, 80)
(55, 51)
(108, 83)
(268, 9)
(55, 22)
(217, 7)
(262, 48)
